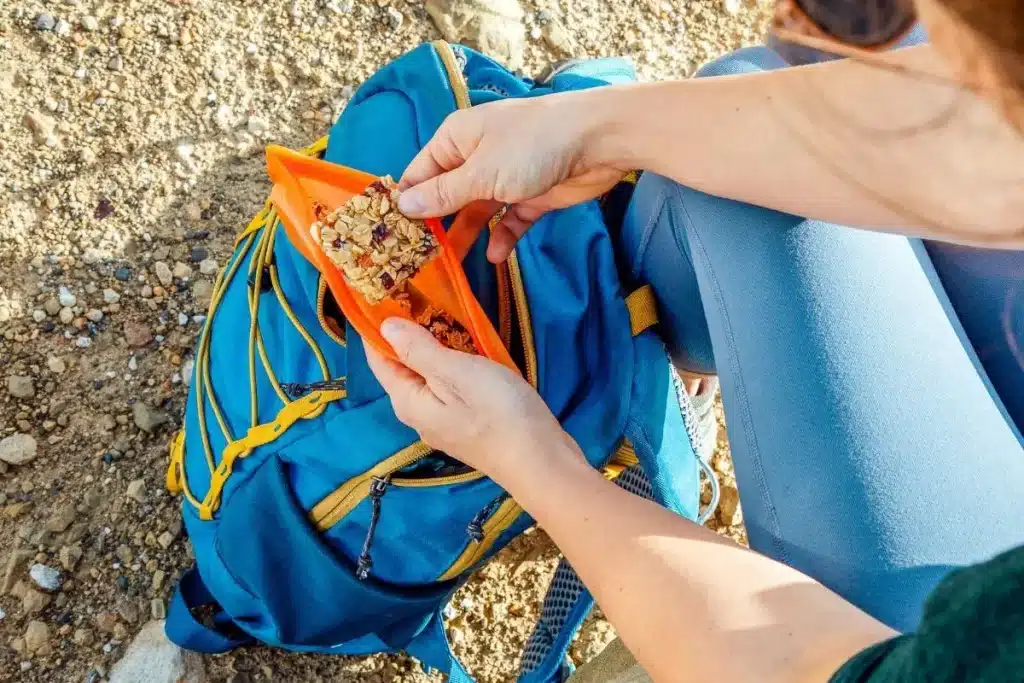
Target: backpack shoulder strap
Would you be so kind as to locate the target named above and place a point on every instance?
(184, 630)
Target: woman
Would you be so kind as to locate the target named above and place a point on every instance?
(873, 453)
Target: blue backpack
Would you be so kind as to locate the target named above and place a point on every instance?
(320, 523)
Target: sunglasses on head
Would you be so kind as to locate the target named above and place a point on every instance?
(852, 25)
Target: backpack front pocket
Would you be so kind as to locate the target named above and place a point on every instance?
(309, 590)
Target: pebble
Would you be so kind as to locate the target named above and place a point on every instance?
(137, 334)
(92, 256)
(137, 492)
(21, 386)
(202, 292)
(208, 266)
(83, 342)
(38, 315)
(395, 18)
(52, 306)
(124, 274)
(165, 539)
(36, 636)
(133, 364)
(256, 126)
(110, 296)
(105, 621)
(157, 609)
(153, 658)
(116, 63)
(733, 7)
(94, 314)
(199, 255)
(182, 319)
(83, 637)
(55, 365)
(163, 273)
(90, 23)
(45, 22)
(45, 577)
(729, 511)
(18, 449)
(69, 557)
(148, 419)
(158, 579)
(62, 28)
(66, 298)
(34, 602)
(66, 315)
(182, 271)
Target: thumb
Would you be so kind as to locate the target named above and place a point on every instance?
(417, 349)
(440, 195)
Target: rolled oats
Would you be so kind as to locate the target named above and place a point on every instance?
(375, 246)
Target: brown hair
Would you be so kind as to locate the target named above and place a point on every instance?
(985, 38)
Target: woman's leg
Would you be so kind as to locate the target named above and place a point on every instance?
(869, 448)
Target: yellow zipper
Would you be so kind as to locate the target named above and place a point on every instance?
(525, 324)
(436, 481)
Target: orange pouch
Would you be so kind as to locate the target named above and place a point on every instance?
(301, 182)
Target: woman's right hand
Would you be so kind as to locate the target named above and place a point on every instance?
(533, 155)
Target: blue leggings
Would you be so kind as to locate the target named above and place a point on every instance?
(871, 449)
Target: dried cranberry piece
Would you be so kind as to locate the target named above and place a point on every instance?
(378, 186)
(387, 281)
(380, 233)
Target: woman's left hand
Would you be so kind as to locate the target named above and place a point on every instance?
(472, 408)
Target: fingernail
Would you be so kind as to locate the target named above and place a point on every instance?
(411, 202)
(391, 330)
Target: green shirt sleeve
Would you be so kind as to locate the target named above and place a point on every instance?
(972, 631)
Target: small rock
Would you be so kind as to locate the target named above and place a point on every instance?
(128, 611)
(83, 637)
(151, 657)
(83, 342)
(39, 315)
(202, 293)
(116, 63)
(66, 298)
(133, 364)
(494, 27)
(94, 314)
(124, 273)
(208, 266)
(18, 449)
(62, 28)
(193, 212)
(183, 319)
(199, 254)
(137, 492)
(36, 636)
(45, 577)
(92, 256)
(395, 18)
(163, 273)
(45, 22)
(137, 334)
(66, 315)
(165, 540)
(33, 602)
(90, 23)
(158, 579)
(21, 386)
(256, 126)
(70, 556)
(52, 306)
(556, 35)
(729, 511)
(148, 419)
(182, 271)
(55, 365)
(41, 125)
(157, 608)
(733, 6)
(110, 296)
(61, 519)
(105, 622)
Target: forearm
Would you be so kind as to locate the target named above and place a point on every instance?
(690, 605)
(891, 147)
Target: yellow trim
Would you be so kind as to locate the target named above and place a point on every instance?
(525, 324)
(321, 298)
(261, 435)
(176, 451)
(643, 309)
(436, 481)
(343, 499)
(459, 88)
(496, 524)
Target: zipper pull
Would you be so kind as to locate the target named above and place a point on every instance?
(365, 563)
(475, 529)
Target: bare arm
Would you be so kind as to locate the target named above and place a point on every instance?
(893, 145)
(690, 605)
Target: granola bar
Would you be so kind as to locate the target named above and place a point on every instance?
(447, 330)
(376, 247)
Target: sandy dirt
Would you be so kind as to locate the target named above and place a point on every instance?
(131, 138)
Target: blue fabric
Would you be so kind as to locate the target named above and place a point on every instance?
(183, 628)
(870, 448)
(264, 566)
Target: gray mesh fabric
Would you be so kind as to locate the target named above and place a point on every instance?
(566, 587)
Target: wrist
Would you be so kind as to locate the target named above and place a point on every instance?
(534, 457)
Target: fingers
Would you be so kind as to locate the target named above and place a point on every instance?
(414, 403)
(513, 225)
(440, 195)
(417, 349)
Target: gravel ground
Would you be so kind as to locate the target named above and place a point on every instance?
(131, 138)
